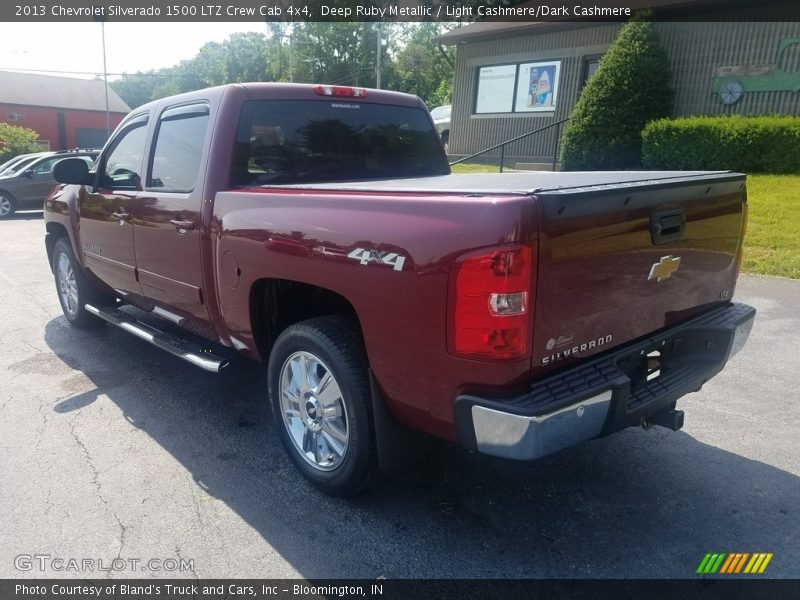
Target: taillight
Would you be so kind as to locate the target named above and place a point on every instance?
(340, 91)
(491, 303)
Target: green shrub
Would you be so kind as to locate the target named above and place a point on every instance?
(630, 88)
(748, 144)
(16, 140)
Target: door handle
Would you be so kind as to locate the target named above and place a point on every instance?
(121, 216)
(182, 226)
(667, 226)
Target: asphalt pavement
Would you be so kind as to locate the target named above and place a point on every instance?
(112, 449)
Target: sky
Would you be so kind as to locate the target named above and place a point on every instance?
(130, 47)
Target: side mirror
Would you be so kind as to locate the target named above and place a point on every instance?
(71, 170)
(29, 173)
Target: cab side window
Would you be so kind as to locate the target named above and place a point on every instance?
(46, 166)
(178, 148)
(122, 165)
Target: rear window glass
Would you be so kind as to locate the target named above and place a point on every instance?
(286, 142)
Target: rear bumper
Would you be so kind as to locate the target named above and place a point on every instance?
(608, 393)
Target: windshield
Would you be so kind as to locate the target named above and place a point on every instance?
(285, 142)
(16, 166)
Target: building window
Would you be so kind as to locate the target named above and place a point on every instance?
(496, 89)
(590, 66)
(88, 137)
(518, 88)
(15, 117)
(536, 90)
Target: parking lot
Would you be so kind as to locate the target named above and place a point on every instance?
(110, 448)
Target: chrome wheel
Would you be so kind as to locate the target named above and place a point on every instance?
(313, 411)
(67, 285)
(73, 288)
(5, 206)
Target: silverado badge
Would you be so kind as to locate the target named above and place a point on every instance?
(664, 268)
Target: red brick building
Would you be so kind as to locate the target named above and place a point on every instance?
(64, 111)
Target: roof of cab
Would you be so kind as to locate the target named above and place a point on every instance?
(286, 91)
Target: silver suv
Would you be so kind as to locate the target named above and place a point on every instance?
(26, 183)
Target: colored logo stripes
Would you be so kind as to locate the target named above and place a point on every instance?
(734, 562)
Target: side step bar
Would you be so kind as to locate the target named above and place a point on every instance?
(174, 344)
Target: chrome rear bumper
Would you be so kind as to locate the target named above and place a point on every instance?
(604, 394)
(514, 436)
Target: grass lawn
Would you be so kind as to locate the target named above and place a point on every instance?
(474, 168)
(772, 246)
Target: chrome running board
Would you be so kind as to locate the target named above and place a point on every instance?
(176, 345)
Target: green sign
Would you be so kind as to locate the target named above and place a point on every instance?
(731, 83)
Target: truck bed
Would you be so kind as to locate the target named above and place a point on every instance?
(598, 246)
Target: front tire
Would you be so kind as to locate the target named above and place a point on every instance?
(74, 289)
(320, 397)
(8, 205)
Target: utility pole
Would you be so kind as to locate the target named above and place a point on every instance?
(102, 19)
(105, 77)
(290, 37)
(291, 58)
(378, 64)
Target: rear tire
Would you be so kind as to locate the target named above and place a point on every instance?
(320, 397)
(8, 205)
(74, 289)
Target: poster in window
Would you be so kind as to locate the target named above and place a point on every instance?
(496, 89)
(538, 86)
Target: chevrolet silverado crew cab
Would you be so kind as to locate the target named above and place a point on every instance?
(318, 229)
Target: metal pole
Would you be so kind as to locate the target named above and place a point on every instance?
(502, 156)
(105, 78)
(558, 143)
(378, 69)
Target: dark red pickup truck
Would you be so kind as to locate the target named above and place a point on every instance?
(318, 229)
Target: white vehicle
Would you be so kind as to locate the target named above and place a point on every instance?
(441, 118)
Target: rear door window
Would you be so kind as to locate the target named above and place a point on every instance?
(286, 142)
(178, 148)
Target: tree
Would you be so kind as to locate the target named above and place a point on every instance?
(420, 67)
(249, 56)
(136, 89)
(16, 140)
(629, 89)
(342, 53)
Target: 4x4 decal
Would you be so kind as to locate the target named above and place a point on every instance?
(393, 259)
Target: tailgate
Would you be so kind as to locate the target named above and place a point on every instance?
(620, 261)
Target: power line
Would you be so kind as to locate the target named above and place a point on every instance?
(95, 73)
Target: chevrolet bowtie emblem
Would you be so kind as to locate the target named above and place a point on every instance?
(664, 268)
